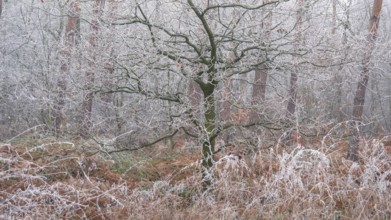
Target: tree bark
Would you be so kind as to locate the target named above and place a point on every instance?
(260, 84)
(208, 146)
(259, 91)
(261, 74)
(70, 39)
(1, 7)
(194, 94)
(291, 108)
(208, 90)
(109, 64)
(90, 74)
(338, 78)
(359, 98)
(227, 101)
(227, 89)
(292, 95)
(334, 28)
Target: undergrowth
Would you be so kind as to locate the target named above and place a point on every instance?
(56, 180)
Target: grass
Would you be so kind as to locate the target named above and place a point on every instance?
(55, 180)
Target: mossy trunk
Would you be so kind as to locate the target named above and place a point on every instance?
(208, 146)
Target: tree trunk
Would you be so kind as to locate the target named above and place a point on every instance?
(70, 39)
(359, 98)
(259, 91)
(208, 89)
(197, 91)
(208, 146)
(1, 7)
(90, 74)
(338, 78)
(225, 113)
(109, 98)
(292, 95)
(261, 74)
(334, 17)
(260, 83)
(195, 96)
(291, 108)
(227, 100)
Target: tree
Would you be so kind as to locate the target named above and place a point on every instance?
(359, 98)
(92, 39)
(261, 74)
(154, 70)
(70, 39)
(1, 7)
(291, 108)
(208, 55)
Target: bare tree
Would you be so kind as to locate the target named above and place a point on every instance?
(359, 98)
(293, 84)
(70, 39)
(152, 70)
(261, 73)
(92, 39)
(294, 75)
(216, 52)
(1, 7)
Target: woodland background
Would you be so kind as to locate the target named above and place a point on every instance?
(222, 109)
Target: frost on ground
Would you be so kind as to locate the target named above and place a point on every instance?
(56, 181)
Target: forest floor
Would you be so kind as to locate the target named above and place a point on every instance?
(43, 178)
